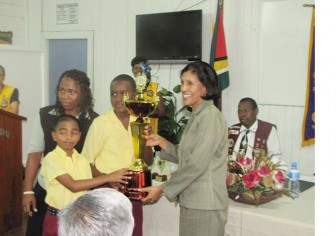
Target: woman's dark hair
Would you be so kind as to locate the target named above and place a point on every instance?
(86, 98)
(206, 75)
(63, 118)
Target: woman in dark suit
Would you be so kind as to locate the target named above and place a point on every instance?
(74, 97)
(199, 183)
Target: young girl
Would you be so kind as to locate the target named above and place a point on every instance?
(67, 174)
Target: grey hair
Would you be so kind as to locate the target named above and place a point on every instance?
(100, 212)
(2, 69)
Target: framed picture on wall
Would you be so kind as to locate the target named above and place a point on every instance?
(6, 37)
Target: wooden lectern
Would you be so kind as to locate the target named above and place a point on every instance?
(10, 171)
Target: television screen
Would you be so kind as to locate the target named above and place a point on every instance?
(170, 36)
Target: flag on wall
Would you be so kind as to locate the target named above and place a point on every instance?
(308, 126)
(218, 55)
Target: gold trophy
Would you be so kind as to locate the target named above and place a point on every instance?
(141, 108)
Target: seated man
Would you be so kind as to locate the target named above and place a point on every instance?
(99, 212)
(251, 134)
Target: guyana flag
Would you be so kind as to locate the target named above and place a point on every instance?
(218, 55)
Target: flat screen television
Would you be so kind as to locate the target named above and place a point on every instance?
(170, 36)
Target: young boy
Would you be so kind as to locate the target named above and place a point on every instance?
(67, 174)
(108, 144)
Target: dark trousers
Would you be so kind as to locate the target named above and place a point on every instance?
(50, 226)
(137, 214)
(35, 223)
(138, 217)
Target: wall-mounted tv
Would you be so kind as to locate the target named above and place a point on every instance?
(170, 36)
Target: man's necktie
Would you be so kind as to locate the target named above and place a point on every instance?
(244, 141)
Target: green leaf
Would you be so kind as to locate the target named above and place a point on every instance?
(177, 88)
(164, 91)
(169, 127)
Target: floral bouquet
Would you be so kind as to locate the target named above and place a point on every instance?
(255, 181)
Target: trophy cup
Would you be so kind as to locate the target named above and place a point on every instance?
(139, 107)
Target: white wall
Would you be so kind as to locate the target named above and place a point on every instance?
(24, 71)
(24, 62)
(13, 18)
(248, 24)
(113, 24)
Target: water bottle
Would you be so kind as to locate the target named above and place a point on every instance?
(294, 180)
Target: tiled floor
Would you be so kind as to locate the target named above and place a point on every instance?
(20, 231)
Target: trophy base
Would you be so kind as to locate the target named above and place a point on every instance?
(135, 195)
(139, 179)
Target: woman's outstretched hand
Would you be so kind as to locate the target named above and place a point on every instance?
(154, 193)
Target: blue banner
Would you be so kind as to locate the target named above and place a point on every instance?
(308, 129)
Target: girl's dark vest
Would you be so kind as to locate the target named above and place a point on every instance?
(261, 136)
(47, 123)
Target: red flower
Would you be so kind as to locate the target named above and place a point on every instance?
(263, 171)
(278, 176)
(251, 179)
(244, 161)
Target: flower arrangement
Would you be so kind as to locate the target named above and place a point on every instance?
(255, 181)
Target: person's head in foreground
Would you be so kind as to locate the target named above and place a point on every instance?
(100, 212)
